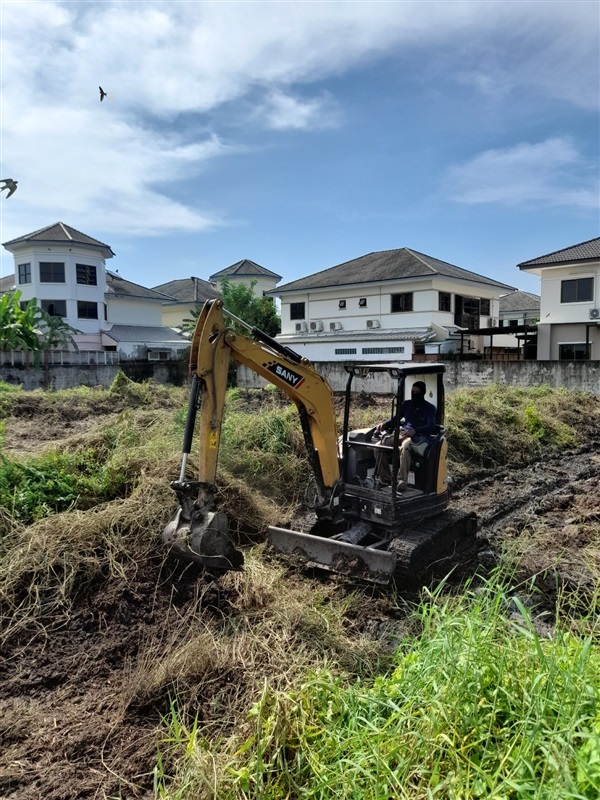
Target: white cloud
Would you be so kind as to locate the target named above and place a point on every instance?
(119, 162)
(548, 173)
(282, 111)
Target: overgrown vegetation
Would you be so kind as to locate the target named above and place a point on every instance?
(477, 706)
(266, 680)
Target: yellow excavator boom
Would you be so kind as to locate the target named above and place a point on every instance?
(197, 532)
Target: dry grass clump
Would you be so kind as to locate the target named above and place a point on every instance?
(44, 567)
(244, 629)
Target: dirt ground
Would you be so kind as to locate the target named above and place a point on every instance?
(64, 730)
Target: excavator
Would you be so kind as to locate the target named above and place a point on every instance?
(362, 528)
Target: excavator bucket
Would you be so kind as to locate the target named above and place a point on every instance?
(202, 539)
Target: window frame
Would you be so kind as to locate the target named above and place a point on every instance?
(44, 305)
(362, 302)
(24, 271)
(82, 269)
(53, 266)
(297, 311)
(577, 347)
(89, 304)
(397, 296)
(444, 295)
(342, 305)
(577, 282)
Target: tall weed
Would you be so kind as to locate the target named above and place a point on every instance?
(478, 706)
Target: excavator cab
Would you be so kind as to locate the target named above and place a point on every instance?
(387, 530)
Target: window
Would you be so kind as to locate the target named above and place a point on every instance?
(345, 351)
(105, 312)
(23, 305)
(371, 351)
(512, 323)
(52, 272)
(572, 352)
(342, 304)
(297, 311)
(402, 302)
(24, 273)
(579, 290)
(86, 274)
(56, 308)
(159, 355)
(87, 310)
(362, 302)
(484, 308)
(444, 301)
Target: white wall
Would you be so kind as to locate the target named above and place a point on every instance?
(551, 309)
(139, 311)
(323, 304)
(70, 290)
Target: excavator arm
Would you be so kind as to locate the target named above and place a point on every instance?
(198, 532)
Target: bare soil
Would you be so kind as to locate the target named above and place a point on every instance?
(65, 730)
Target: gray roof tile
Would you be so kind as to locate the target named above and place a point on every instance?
(362, 336)
(189, 290)
(247, 268)
(520, 301)
(116, 286)
(385, 265)
(59, 232)
(146, 334)
(7, 283)
(585, 251)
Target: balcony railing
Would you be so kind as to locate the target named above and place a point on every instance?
(58, 358)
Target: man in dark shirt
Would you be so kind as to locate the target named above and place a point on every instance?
(418, 419)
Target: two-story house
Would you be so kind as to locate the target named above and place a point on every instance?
(65, 270)
(569, 326)
(389, 305)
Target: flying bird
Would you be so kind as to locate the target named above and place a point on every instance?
(10, 185)
(102, 93)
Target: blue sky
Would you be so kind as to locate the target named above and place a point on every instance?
(303, 134)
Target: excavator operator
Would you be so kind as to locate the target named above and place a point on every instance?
(418, 419)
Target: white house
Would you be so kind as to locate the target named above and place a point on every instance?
(569, 326)
(394, 304)
(248, 272)
(65, 270)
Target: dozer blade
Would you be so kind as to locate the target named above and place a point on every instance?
(203, 540)
(366, 563)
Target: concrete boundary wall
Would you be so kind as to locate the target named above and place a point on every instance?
(70, 376)
(579, 375)
(582, 375)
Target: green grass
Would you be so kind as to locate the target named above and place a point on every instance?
(477, 706)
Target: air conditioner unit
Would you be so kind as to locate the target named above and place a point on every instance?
(493, 322)
(373, 323)
(301, 326)
(335, 326)
(316, 325)
(595, 313)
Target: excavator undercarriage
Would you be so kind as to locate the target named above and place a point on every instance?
(364, 527)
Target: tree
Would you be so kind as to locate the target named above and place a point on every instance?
(30, 328)
(259, 312)
(239, 299)
(19, 327)
(55, 333)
